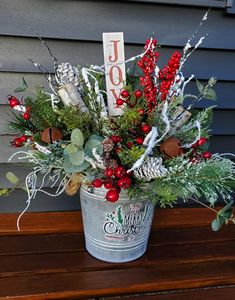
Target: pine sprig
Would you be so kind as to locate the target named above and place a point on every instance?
(208, 179)
(19, 124)
(42, 114)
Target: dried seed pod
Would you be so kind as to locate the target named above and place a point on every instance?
(49, 135)
(171, 147)
(74, 184)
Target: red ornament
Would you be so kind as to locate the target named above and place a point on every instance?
(23, 138)
(146, 128)
(17, 143)
(138, 94)
(124, 182)
(13, 101)
(139, 140)
(119, 102)
(201, 141)
(116, 139)
(206, 155)
(125, 94)
(26, 116)
(97, 183)
(109, 172)
(120, 172)
(112, 195)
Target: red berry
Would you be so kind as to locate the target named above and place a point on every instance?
(206, 155)
(125, 94)
(23, 138)
(195, 145)
(17, 142)
(129, 145)
(109, 172)
(139, 140)
(116, 139)
(28, 108)
(201, 141)
(138, 94)
(124, 182)
(120, 172)
(146, 128)
(108, 184)
(13, 101)
(112, 195)
(119, 102)
(141, 111)
(26, 116)
(117, 149)
(97, 183)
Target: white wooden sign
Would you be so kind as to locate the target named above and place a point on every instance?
(115, 73)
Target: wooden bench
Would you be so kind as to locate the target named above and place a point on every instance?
(184, 260)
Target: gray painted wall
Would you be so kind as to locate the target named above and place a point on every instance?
(73, 30)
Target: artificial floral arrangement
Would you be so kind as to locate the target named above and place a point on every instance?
(157, 147)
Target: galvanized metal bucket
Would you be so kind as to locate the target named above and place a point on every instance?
(115, 232)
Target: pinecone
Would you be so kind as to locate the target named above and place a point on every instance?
(151, 168)
(66, 73)
(110, 163)
(108, 145)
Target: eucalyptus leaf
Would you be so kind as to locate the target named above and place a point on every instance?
(92, 144)
(22, 87)
(70, 168)
(12, 177)
(77, 137)
(70, 148)
(77, 158)
(200, 86)
(210, 94)
(226, 207)
(215, 224)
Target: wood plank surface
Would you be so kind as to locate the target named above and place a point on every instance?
(212, 293)
(61, 222)
(86, 20)
(48, 260)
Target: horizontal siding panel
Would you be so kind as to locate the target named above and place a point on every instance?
(86, 20)
(222, 144)
(223, 121)
(224, 91)
(202, 3)
(6, 150)
(16, 202)
(10, 81)
(203, 63)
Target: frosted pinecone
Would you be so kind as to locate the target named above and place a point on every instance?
(108, 145)
(151, 168)
(66, 73)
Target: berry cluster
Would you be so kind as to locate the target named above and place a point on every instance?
(167, 74)
(114, 180)
(14, 102)
(19, 141)
(147, 64)
(125, 97)
(196, 155)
